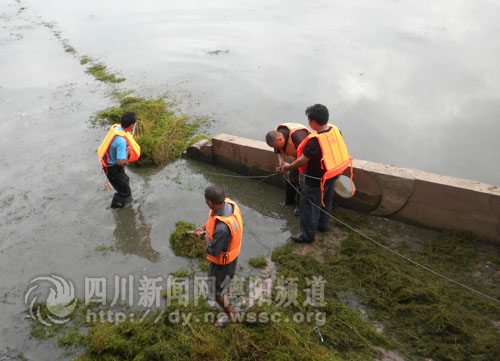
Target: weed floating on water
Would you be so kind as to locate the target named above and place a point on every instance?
(258, 262)
(162, 135)
(100, 72)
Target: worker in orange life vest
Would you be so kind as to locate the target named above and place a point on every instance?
(222, 234)
(115, 152)
(321, 157)
(285, 139)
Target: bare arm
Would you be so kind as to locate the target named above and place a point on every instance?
(200, 229)
(281, 159)
(296, 164)
(122, 161)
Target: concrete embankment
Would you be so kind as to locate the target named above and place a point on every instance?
(409, 195)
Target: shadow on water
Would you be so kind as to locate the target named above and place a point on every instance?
(133, 234)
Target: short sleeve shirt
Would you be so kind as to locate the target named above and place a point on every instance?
(222, 234)
(117, 149)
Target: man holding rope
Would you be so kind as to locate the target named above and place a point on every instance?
(321, 158)
(285, 139)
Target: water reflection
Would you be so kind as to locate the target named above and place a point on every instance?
(132, 234)
(253, 193)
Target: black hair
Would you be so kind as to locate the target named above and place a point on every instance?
(215, 194)
(271, 137)
(318, 113)
(128, 118)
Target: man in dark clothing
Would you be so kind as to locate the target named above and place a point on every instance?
(218, 241)
(280, 140)
(311, 218)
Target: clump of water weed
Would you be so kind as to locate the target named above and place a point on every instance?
(100, 72)
(258, 262)
(84, 60)
(162, 135)
(184, 243)
(69, 49)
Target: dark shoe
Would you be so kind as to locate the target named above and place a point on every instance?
(299, 238)
(284, 204)
(118, 201)
(296, 212)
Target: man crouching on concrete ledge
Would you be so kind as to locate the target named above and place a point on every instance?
(222, 235)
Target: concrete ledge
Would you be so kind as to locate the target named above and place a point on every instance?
(425, 199)
(201, 151)
(245, 156)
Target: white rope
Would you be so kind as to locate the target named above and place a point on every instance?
(395, 252)
(242, 176)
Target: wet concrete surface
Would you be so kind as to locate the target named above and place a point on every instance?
(389, 71)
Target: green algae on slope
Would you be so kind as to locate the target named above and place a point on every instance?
(424, 316)
(162, 135)
(255, 337)
(162, 337)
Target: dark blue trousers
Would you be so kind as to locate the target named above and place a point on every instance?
(311, 218)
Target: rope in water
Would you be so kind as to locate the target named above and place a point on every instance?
(371, 239)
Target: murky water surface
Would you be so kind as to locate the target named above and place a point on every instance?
(414, 84)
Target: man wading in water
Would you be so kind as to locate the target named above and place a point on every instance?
(115, 152)
(222, 235)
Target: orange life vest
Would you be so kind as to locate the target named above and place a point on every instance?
(290, 147)
(335, 159)
(134, 148)
(235, 224)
